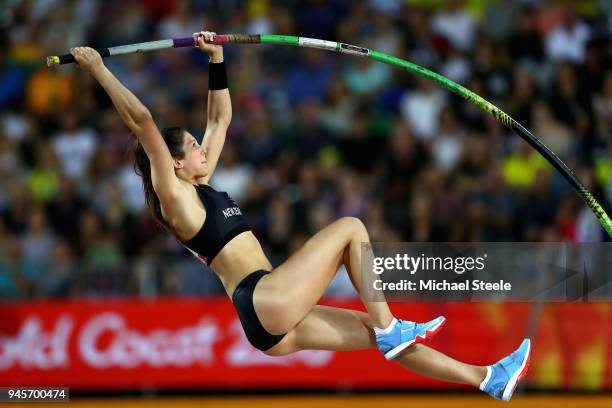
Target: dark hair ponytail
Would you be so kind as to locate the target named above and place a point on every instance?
(174, 137)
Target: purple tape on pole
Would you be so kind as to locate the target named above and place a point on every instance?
(183, 42)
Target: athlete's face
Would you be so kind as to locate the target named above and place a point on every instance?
(194, 162)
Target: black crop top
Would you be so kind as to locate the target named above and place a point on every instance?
(223, 222)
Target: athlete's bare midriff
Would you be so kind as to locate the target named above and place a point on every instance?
(239, 257)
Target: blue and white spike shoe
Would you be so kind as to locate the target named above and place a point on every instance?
(503, 376)
(402, 334)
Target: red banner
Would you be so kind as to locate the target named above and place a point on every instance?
(194, 343)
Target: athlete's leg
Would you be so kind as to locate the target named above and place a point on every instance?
(285, 296)
(329, 328)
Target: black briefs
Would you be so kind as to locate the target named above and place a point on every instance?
(243, 302)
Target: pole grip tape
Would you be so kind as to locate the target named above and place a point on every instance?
(183, 42)
(69, 58)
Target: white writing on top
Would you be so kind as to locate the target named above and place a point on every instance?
(231, 211)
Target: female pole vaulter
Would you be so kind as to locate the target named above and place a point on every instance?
(277, 306)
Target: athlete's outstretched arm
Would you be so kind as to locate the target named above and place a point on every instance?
(219, 109)
(138, 118)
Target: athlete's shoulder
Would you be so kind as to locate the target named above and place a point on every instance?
(180, 192)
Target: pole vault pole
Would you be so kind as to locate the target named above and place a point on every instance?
(465, 93)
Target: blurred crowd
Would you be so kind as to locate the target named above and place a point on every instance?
(315, 135)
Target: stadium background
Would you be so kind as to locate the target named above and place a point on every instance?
(314, 136)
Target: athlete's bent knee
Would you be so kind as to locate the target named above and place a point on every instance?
(353, 223)
(356, 227)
